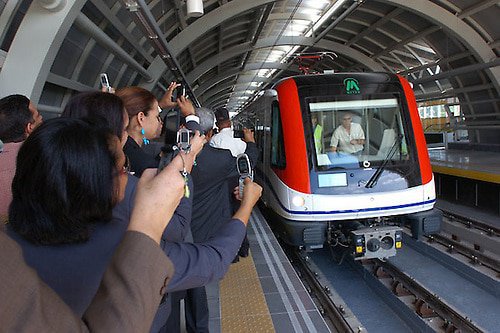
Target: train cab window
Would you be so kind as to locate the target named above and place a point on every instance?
(278, 158)
(350, 134)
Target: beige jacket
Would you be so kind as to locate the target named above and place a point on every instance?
(127, 299)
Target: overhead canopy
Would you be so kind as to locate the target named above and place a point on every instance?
(448, 49)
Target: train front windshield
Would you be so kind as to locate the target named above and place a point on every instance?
(361, 133)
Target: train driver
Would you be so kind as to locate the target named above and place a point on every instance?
(348, 137)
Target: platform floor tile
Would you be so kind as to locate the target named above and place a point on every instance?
(243, 305)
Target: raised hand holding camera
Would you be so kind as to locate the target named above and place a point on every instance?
(168, 100)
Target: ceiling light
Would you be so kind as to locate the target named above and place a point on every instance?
(329, 13)
(318, 4)
(194, 8)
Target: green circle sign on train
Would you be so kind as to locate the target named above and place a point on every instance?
(351, 86)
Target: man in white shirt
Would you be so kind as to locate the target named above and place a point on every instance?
(225, 138)
(348, 137)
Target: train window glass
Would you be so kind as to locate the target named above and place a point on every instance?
(278, 158)
(358, 133)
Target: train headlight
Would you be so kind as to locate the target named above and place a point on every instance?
(298, 201)
(387, 243)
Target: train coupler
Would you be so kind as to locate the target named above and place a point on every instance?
(376, 242)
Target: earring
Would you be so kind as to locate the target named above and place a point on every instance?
(144, 139)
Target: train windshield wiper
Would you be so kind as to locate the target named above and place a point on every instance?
(374, 178)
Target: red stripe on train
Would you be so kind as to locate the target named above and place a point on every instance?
(418, 132)
(296, 173)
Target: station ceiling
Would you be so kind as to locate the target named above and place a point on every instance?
(448, 49)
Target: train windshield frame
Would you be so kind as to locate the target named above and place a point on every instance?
(360, 131)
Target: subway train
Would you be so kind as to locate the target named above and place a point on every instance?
(326, 184)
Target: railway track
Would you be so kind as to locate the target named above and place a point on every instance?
(329, 305)
(413, 302)
(426, 304)
(476, 240)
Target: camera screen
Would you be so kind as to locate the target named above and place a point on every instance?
(180, 91)
(243, 165)
(184, 136)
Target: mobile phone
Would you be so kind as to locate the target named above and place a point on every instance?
(244, 169)
(178, 92)
(183, 136)
(238, 133)
(105, 81)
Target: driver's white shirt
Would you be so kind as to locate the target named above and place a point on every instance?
(342, 139)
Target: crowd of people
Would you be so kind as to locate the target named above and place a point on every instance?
(97, 237)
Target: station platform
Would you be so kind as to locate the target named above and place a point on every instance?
(467, 177)
(477, 165)
(262, 292)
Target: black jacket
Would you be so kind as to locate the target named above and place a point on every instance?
(139, 159)
(213, 171)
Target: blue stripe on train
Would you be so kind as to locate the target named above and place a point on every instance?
(333, 212)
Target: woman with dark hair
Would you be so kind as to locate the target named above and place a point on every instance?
(62, 206)
(65, 203)
(105, 109)
(101, 104)
(144, 125)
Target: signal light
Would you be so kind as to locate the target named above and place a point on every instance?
(398, 237)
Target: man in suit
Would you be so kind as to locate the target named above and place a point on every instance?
(225, 140)
(211, 205)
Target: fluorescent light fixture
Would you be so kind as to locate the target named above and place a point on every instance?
(271, 72)
(293, 33)
(263, 72)
(318, 4)
(325, 17)
(300, 24)
(290, 53)
(315, 13)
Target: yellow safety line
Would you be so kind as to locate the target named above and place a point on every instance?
(472, 174)
(243, 305)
